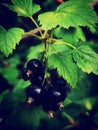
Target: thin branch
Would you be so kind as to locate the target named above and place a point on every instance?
(70, 119)
(34, 32)
(33, 20)
(67, 44)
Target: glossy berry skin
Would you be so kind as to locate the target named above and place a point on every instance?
(34, 91)
(64, 90)
(37, 80)
(63, 95)
(24, 74)
(54, 96)
(58, 92)
(62, 86)
(35, 66)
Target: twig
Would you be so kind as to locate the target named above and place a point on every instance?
(33, 32)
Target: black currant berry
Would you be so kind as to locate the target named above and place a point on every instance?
(46, 92)
(53, 75)
(54, 96)
(62, 96)
(64, 91)
(62, 87)
(35, 66)
(34, 92)
(25, 75)
(50, 109)
(37, 80)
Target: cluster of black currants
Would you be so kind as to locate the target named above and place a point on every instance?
(49, 91)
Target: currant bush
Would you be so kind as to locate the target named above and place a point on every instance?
(46, 88)
(60, 39)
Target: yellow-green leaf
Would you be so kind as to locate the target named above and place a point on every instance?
(71, 13)
(24, 8)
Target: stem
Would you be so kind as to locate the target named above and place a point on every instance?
(36, 25)
(70, 119)
(67, 116)
(31, 34)
(68, 44)
(46, 61)
(46, 58)
(52, 32)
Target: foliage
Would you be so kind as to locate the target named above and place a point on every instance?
(24, 8)
(69, 14)
(58, 37)
(9, 39)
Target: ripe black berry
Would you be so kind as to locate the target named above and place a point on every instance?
(47, 88)
(35, 66)
(50, 109)
(53, 75)
(37, 80)
(54, 96)
(34, 92)
(64, 90)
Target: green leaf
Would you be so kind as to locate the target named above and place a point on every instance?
(65, 66)
(24, 8)
(71, 13)
(29, 118)
(86, 59)
(9, 39)
(72, 35)
(11, 73)
(35, 51)
(59, 47)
